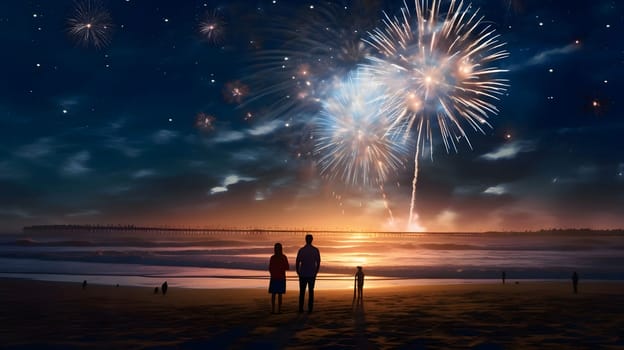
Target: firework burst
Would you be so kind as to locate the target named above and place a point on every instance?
(440, 71)
(90, 24)
(235, 91)
(351, 138)
(305, 59)
(204, 122)
(212, 27)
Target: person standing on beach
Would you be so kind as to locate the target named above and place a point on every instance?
(503, 276)
(575, 279)
(358, 284)
(308, 264)
(278, 264)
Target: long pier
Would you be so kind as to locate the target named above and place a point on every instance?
(149, 232)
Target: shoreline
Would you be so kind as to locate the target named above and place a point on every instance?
(545, 315)
(254, 282)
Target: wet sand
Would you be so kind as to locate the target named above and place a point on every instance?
(537, 315)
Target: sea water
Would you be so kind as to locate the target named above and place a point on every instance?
(239, 260)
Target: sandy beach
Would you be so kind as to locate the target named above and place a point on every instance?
(538, 315)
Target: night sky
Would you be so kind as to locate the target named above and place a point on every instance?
(161, 123)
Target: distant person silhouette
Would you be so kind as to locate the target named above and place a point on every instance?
(575, 279)
(358, 284)
(155, 290)
(278, 264)
(503, 276)
(308, 264)
(84, 284)
(164, 288)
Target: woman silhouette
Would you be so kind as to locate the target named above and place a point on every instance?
(278, 264)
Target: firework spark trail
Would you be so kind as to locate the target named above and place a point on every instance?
(386, 205)
(439, 72)
(415, 178)
(90, 24)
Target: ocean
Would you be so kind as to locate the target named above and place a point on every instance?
(240, 259)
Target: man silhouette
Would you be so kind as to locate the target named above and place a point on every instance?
(308, 264)
(575, 279)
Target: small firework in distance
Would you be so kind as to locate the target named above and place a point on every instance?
(90, 24)
(235, 91)
(204, 122)
(212, 27)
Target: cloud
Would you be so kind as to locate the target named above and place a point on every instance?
(40, 148)
(117, 190)
(121, 144)
(582, 174)
(70, 101)
(446, 220)
(118, 143)
(229, 181)
(247, 155)
(139, 174)
(510, 150)
(8, 171)
(218, 189)
(83, 213)
(234, 179)
(587, 171)
(466, 190)
(546, 55)
(164, 136)
(16, 213)
(76, 164)
(496, 190)
(228, 136)
(603, 129)
(265, 128)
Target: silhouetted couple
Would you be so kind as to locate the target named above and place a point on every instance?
(308, 264)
